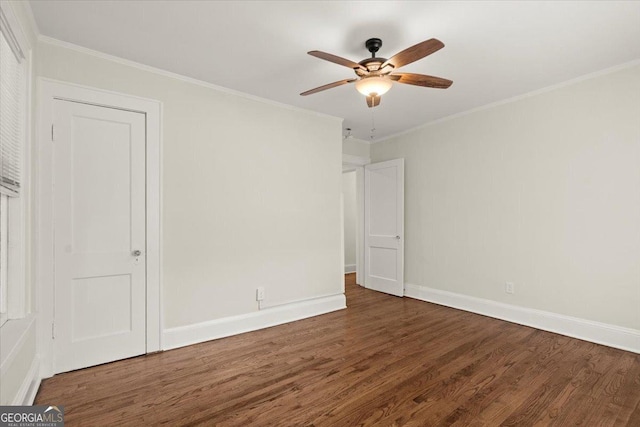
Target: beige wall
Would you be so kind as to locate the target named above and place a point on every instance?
(251, 192)
(543, 192)
(356, 147)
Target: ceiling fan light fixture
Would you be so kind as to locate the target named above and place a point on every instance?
(374, 85)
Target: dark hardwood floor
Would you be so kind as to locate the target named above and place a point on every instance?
(384, 361)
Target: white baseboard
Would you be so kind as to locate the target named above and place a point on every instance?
(350, 268)
(599, 333)
(30, 385)
(220, 328)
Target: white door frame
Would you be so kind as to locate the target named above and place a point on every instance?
(356, 163)
(48, 91)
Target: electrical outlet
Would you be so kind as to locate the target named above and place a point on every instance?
(260, 294)
(509, 288)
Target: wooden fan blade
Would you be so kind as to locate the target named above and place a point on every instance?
(336, 60)
(421, 80)
(328, 86)
(414, 53)
(373, 101)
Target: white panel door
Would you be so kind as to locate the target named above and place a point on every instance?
(384, 226)
(99, 221)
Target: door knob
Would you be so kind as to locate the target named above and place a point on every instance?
(398, 237)
(137, 252)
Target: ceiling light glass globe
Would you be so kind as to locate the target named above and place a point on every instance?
(370, 85)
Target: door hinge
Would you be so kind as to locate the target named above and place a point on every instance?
(52, 133)
(53, 330)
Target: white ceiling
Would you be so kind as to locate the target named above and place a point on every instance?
(493, 50)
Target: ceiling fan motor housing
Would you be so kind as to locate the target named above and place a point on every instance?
(373, 64)
(373, 45)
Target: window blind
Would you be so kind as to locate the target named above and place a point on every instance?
(11, 116)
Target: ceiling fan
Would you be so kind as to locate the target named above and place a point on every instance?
(375, 75)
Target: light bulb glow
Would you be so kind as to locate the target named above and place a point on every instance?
(373, 85)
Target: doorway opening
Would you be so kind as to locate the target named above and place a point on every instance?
(350, 221)
(353, 217)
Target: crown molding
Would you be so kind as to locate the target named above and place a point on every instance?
(536, 92)
(105, 56)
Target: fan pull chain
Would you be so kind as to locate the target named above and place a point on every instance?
(373, 125)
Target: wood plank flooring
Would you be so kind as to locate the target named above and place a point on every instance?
(384, 361)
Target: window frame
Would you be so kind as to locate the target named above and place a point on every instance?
(18, 208)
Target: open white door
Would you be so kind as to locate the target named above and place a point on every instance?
(100, 239)
(384, 226)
